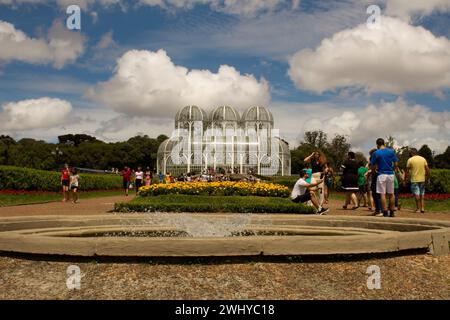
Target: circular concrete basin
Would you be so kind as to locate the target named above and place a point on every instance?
(200, 235)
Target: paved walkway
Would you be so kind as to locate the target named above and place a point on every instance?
(105, 204)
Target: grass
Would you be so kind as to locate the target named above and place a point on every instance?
(430, 205)
(33, 198)
(190, 203)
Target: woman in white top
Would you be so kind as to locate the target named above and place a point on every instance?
(139, 177)
(74, 185)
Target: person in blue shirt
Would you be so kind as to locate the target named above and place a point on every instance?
(385, 161)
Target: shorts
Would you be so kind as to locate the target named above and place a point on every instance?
(418, 188)
(126, 184)
(73, 187)
(363, 189)
(385, 184)
(303, 198)
(65, 183)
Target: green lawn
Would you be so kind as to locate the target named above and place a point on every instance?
(430, 205)
(11, 200)
(190, 203)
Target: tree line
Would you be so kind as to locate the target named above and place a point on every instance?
(85, 151)
(80, 150)
(336, 150)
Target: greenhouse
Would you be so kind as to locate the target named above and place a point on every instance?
(223, 141)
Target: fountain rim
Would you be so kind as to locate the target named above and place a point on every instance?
(434, 236)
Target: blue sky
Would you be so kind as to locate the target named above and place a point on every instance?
(313, 63)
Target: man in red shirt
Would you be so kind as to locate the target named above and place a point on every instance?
(126, 176)
(65, 181)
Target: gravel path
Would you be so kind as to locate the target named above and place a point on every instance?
(413, 276)
(403, 277)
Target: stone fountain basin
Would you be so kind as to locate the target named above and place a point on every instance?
(148, 235)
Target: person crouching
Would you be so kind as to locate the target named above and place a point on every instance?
(302, 192)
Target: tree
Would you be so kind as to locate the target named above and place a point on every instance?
(442, 161)
(426, 152)
(403, 156)
(6, 144)
(161, 138)
(76, 139)
(390, 142)
(360, 157)
(316, 139)
(338, 149)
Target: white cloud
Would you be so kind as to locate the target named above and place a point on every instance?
(106, 41)
(102, 123)
(411, 125)
(61, 45)
(237, 7)
(149, 83)
(34, 114)
(395, 58)
(86, 4)
(406, 9)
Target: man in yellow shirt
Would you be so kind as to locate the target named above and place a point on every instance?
(419, 172)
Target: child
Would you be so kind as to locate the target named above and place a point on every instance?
(148, 177)
(74, 185)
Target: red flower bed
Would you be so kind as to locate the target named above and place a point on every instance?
(26, 192)
(37, 193)
(428, 196)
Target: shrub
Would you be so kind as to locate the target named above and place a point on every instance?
(236, 204)
(440, 181)
(15, 178)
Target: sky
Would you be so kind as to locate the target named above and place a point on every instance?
(327, 65)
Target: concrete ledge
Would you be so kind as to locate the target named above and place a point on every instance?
(312, 235)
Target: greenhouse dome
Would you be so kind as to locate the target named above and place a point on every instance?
(224, 142)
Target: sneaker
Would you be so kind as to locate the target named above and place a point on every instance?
(392, 214)
(379, 214)
(386, 214)
(323, 211)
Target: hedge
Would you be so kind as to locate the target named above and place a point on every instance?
(15, 178)
(236, 204)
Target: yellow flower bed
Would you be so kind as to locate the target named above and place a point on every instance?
(223, 188)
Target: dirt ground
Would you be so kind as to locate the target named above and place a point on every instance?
(414, 275)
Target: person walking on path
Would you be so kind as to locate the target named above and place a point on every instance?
(126, 177)
(385, 161)
(419, 173)
(139, 178)
(74, 185)
(350, 180)
(65, 182)
(302, 192)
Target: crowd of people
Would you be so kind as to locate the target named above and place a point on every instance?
(134, 179)
(374, 185)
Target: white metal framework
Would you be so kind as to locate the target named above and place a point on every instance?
(224, 142)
